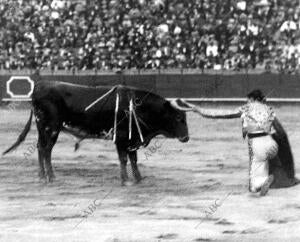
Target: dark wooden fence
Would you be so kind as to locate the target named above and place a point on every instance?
(170, 85)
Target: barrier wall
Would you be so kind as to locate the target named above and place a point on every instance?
(191, 86)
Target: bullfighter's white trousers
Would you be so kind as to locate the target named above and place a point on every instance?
(261, 150)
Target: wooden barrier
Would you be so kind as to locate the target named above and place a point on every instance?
(193, 86)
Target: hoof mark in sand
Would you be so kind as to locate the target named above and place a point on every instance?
(252, 231)
(88, 186)
(224, 222)
(62, 218)
(79, 157)
(297, 206)
(277, 221)
(229, 232)
(237, 193)
(109, 215)
(147, 212)
(202, 239)
(51, 204)
(167, 236)
(211, 180)
(66, 193)
(102, 157)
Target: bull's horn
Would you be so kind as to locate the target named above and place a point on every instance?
(175, 105)
(187, 103)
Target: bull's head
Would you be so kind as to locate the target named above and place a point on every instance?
(175, 115)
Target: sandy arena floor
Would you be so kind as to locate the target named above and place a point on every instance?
(196, 191)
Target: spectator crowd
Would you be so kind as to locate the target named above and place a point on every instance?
(156, 34)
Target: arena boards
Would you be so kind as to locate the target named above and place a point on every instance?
(275, 100)
(284, 100)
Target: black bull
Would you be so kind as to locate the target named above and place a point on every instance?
(60, 106)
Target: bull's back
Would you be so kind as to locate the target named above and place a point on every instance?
(78, 97)
(69, 102)
(72, 96)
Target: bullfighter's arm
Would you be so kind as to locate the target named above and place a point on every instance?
(218, 113)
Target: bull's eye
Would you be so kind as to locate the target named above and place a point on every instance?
(178, 118)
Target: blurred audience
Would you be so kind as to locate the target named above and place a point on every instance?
(156, 34)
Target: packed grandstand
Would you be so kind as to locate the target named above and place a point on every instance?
(156, 34)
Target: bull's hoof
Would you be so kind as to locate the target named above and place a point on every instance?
(42, 176)
(42, 180)
(50, 179)
(138, 180)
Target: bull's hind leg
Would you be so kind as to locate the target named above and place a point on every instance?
(47, 139)
(48, 166)
(135, 170)
(42, 174)
(40, 123)
(48, 128)
(123, 163)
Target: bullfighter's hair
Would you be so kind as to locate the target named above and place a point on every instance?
(257, 95)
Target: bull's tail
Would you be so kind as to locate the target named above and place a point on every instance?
(22, 136)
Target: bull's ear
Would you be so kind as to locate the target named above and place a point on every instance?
(167, 104)
(166, 107)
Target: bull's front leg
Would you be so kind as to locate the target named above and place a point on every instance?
(123, 163)
(135, 170)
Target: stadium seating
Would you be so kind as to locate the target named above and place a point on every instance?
(156, 34)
